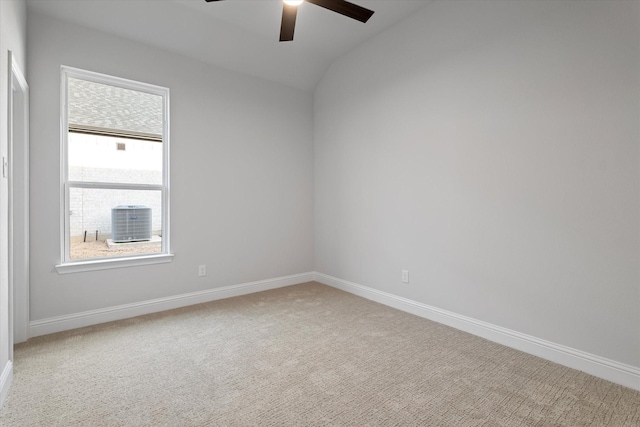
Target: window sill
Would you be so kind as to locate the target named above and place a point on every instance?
(105, 264)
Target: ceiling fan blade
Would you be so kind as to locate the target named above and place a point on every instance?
(289, 14)
(345, 8)
(209, 1)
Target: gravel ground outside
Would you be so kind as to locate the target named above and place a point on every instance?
(99, 249)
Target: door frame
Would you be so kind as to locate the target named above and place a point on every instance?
(18, 175)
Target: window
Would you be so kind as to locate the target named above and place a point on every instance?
(115, 172)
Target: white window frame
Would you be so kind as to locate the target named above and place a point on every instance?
(67, 265)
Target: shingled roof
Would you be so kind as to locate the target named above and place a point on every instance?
(114, 110)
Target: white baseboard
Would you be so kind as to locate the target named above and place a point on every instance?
(5, 381)
(94, 317)
(616, 372)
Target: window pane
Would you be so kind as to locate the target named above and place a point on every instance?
(97, 106)
(112, 223)
(101, 158)
(114, 134)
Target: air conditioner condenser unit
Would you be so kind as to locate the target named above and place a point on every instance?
(130, 223)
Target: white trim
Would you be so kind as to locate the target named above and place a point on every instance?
(5, 381)
(108, 263)
(611, 370)
(114, 186)
(19, 174)
(93, 317)
(112, 80)
(64, 195)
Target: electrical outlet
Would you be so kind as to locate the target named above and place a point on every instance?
(405, 276)
(202, 270)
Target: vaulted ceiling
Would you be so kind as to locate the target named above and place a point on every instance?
(241, 35)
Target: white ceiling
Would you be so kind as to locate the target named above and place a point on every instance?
(241, 35)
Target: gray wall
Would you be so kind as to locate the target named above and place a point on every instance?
(241, 173)
(491, 149)
(13, 37)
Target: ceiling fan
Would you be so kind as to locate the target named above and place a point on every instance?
(290, 11)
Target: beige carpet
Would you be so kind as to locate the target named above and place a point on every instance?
(302, 355)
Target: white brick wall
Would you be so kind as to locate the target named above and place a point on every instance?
(95, 158)
(91, 208)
